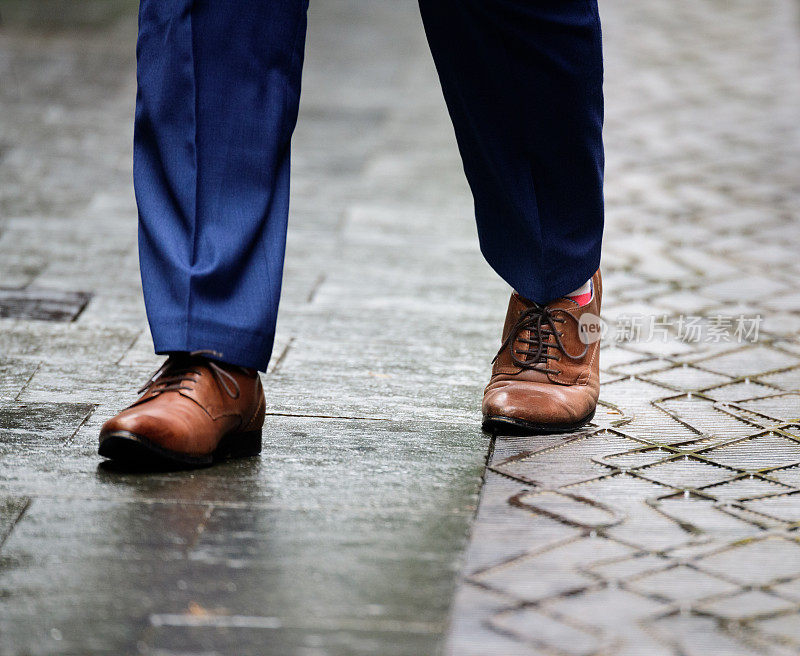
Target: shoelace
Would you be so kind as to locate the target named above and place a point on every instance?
(541, 321)
(182, 372)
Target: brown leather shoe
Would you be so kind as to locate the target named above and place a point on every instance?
(545, 379)
(194, 411)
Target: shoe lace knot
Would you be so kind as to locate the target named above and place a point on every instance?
(541, 322)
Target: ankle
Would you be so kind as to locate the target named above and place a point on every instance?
(205, 355)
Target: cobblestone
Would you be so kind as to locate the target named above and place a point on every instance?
(667, 527)
(670, 525)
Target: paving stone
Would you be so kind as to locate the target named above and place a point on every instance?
(635, 458)
(550, 468)
(42, 304)
(95, 380)
(685, 473)
(752, 454)
(344, 538)
(781, 324)
(783, 407)
(752, 286)
(788, 590)
(788, 379)
(614, 355)
(789, 476)
(749, 361)
(245, 637)
(71, 342)
(568, 508)
(312, 532)
(239, 562)
(541, 630)
(742, 391)
(608, 606)
(11, 509)
(300, 470)
(686, 378)
(703, 516)
(628, 567)
(644, 527)
(553, 573)
(785, 627)
(746, 605)
(645, 366)
(505, 532)
(22, 424)
(706, 417)
(767, 559)
(695, 636)
(743, 488)
(783, 507)
(14, 374)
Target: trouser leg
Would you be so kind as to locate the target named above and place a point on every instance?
(217, 101)
(523, 84)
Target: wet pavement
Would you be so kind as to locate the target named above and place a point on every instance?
(669, 526)
(345, 536)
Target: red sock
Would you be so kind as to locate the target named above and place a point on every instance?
(583, 294)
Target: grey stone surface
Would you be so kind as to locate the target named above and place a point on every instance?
(344, 537)
(670, 526)
(667, 527)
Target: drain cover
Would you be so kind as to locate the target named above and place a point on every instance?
(42, 304)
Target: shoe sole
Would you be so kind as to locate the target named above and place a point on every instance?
(501, 425)
(136, 450)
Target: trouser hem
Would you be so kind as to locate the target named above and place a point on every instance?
(235, 345)
(544, 290)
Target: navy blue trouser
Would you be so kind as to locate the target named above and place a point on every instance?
(219, 86)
